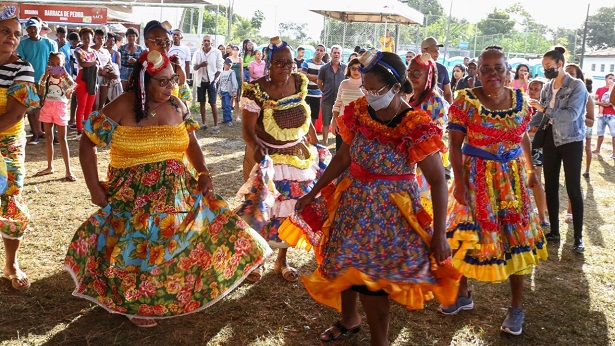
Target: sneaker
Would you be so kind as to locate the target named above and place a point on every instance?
(578, 245)
(462, 303)
(513, 324)
(568, 218)
(229, 124)
(215, 129)
(545, 224)
(33, 140)
(586, 175)
(72, 126)
(78, 137)
(552, 237)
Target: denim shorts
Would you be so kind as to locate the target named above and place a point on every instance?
(603, 122)
(206, 91)
(125, 72)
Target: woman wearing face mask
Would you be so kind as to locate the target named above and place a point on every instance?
(491, 221)
(378, 238)
(563, 101)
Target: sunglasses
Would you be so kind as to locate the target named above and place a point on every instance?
(414, 73)
(354, 68)
(163, 82)
(282, 63)
(160, 42)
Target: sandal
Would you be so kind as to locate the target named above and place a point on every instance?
(143, 322)
(70, 178)
(256, 274)
(19, 281)
(44, 172)
(329, 333)
(288, 273)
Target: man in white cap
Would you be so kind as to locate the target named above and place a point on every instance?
(35, 49)
(430, 45)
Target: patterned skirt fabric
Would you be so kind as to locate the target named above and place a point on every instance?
(14, 214)
(159, 249)
(497, 234)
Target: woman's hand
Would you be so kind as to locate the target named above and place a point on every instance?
(206, 186)
(532, 180)
(460, 192)
(259, 152)
(536, 104)
(304, 201)
(99, 196)
(440, 247)
(333, 127)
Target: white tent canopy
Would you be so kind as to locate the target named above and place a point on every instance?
(391, 11)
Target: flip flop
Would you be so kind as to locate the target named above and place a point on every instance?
(43, 172)
(70, 178)
(16, 279)
(288, 273)
(343, 331)
(143, 322)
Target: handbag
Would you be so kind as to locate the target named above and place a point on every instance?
(539, 137)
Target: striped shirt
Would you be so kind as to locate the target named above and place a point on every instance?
(17, 71)
(310, 67)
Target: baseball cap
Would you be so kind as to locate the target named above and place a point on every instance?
(473, 61)
(33, 22)
(156, 24)
(228, 61)
(430, 41)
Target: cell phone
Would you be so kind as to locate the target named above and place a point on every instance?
(56, 70)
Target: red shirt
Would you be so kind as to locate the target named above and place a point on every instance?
(599, 93)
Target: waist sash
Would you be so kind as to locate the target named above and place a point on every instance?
(364, 175)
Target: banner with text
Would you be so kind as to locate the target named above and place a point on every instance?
(70, 14)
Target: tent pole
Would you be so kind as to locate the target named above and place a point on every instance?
(344, 37)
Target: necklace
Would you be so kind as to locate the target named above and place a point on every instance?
(282, 88)
(153, 112)
(395, 116)
(497, 95)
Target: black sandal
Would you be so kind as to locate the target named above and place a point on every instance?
(343, 331)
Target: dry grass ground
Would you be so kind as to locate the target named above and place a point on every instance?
(569, 300)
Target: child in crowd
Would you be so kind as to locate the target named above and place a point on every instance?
(227, 88)
(55, 89)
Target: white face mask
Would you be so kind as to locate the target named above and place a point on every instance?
(382, 101)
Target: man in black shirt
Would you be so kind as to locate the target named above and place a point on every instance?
(299, 59)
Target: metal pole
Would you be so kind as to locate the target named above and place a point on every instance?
(216, 28)
(396, 38)
(344, 37)
(448, 26)
(199, 29)
(475, 37)
(584, 37)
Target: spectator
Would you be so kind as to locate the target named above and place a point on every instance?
(329, 78)
(459, 71)
(538, 190)
(387, 43)
(299, 58)
(35, 49)
(606, 113)
(471, 80)
(130, 52)
(73, 67)
(257, 66)
(87, 78)
(348, 91)
(238, 68)
(522, 78)
(563, 140)
(207, 67)
(431, 46)
(181, 51)
(409, 56)
(310, 68)
(247, 55)
(227, 88)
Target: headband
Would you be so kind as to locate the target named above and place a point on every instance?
(425, 61)
(153, 62)
(369, 60)
(275, 45)
(8, 12)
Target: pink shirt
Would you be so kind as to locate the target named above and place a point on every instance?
(258, 69)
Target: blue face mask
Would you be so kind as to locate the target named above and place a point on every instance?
(381, 101)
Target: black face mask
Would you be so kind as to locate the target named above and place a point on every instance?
(551, 73)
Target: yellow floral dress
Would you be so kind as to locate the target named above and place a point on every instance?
(17, 82)
(159, 248)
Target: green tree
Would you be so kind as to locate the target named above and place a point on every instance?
(293, 33)
(601, 29)
(257, 19)
(496, 23)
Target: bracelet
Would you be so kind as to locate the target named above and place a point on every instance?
(206, 173)
(530, 171)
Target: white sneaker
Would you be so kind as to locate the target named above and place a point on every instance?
(215, 129)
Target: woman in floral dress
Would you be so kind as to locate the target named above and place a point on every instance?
(378, 242)
(276, 121)
(491, 221)
(17, 93)
(162, 244)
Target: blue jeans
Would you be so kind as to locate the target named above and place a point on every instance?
(227, 109)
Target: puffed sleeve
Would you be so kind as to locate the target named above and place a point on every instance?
(348, 122)
(457, 113)
(191, 124)
(99, 128)
(184, 93)
(25, 93)
(424, 138)
(250, 99)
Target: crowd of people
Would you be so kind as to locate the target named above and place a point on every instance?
(376, 210)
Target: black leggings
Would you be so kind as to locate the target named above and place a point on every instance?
(314, 103)
(571, 154)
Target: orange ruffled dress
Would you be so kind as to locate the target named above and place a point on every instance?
(376, 233)
(497, 234)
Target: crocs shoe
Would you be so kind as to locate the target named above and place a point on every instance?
(462, 303)
(513, 324)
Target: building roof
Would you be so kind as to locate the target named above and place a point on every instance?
(609, 52)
